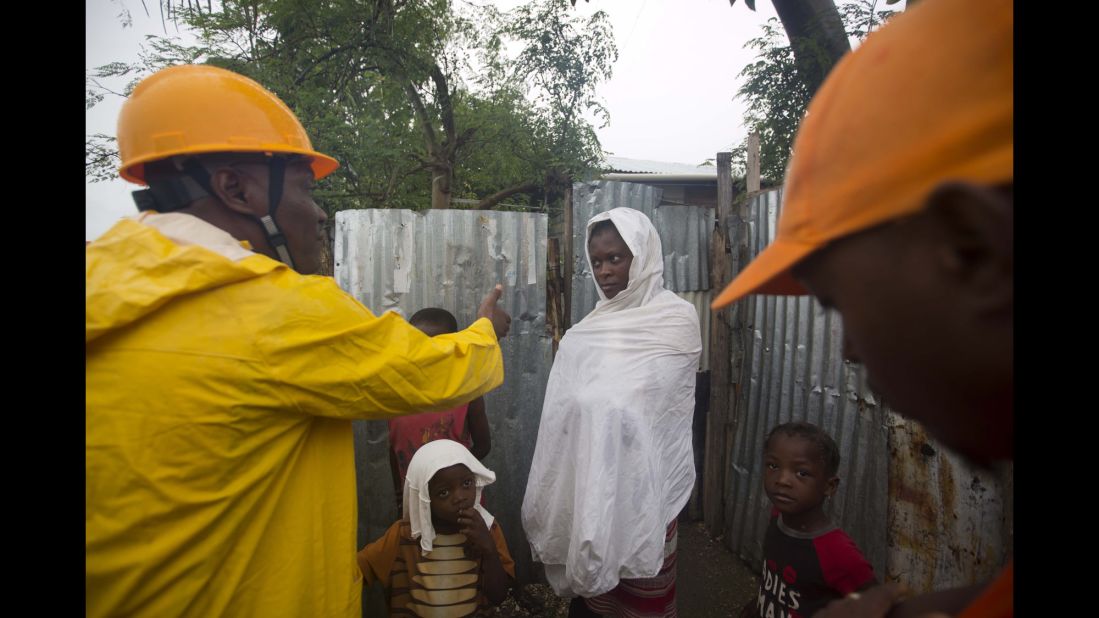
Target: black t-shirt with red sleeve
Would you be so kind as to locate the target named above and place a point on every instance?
(804, 572)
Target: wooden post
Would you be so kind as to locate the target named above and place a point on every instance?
(713, 482)
(567, 262)
(734, 319)
(554, 292)
(753, 163)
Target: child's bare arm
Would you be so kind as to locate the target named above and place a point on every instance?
(477, 424)
(479, 541)
(397, 488)
(376, 558)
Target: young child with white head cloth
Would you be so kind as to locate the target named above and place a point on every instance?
(447, 555)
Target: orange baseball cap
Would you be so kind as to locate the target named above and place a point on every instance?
(924, 100)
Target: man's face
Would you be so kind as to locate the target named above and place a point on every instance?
(905, 321)
(301, 220)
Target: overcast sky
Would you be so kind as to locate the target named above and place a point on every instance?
(671, 97)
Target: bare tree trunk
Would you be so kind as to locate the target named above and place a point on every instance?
(752, 180)
(440, 155)
(441, 176)
(816, 33)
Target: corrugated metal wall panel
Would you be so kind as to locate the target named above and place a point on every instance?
(701, 301)
(949, 522)
(685, 233)
(403, 260)
(948, 527)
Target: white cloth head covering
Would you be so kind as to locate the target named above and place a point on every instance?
(647, 268)
(613, 464)
(429, 459)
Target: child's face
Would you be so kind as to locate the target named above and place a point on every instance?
(452, 489)
(794, 477)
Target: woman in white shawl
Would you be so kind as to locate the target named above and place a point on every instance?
(613, 465)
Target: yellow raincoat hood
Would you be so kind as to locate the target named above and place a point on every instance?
(133, 270)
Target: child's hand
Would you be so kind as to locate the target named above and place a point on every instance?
(478, 539)
(479, 543)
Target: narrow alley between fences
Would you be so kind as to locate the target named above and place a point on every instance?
(711, 582)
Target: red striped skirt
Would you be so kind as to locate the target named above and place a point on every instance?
(653, 597)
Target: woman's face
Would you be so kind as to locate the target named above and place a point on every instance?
(610, 261)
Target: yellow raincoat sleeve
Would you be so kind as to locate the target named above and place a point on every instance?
(332, 357)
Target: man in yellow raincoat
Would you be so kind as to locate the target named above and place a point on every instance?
(221, 378)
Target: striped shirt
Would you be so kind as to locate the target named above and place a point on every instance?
(445, 583)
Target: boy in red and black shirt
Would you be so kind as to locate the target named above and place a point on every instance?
(807, 561)
(466, 424)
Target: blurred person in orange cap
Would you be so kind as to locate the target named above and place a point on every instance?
(898, 214)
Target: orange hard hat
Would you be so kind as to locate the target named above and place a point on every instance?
(201, 109)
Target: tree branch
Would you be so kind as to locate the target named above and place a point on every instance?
(425, 120)
(491, 201)
(104, 88)
(446, 105)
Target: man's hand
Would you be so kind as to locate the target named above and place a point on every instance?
(501, 321)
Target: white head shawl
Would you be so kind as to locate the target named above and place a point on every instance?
(429, 459)
(647, 268)
(613, 465)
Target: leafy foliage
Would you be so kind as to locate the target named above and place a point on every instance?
(414, 97)
(101, 157)
(776, 93)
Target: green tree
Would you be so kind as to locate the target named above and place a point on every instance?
(777, 91)
(553, 79)
(410, 95)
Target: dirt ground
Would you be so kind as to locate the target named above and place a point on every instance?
(710, 582)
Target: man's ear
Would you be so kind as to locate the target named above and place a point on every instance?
(237, 191)
(974, 239)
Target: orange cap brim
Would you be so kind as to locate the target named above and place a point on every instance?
(769, 273)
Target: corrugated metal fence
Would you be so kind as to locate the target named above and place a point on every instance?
(795, 371)
(919, 515)
(403, 260)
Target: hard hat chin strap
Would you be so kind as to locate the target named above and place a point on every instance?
(276, 173)
(172, 194)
